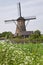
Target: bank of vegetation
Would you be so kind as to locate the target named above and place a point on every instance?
(36, 37)
(21, 54)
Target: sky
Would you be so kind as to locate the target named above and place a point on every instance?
(9, 10)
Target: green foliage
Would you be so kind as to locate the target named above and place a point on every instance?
(21, 54)
(37, 34)
(0, 35)
(36, 37)
(6, 35)
(21, 40)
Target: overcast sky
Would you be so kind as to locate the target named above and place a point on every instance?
(9, 10)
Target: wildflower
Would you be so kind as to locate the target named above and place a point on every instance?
(27, 57)
(42, 56)
(32, 58)
(26, 62)
(38, 63)
(21, 64)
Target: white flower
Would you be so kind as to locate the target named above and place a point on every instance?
(38, 63)
(32, 58)
(3, 64)
(11, 47)
(13, 58)
(3, 50)
(27, 57)
(21, 64)
(42, 56)
(26, 62)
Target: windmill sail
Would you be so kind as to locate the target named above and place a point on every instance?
(19, 6)
(10, 20)
(30, 18)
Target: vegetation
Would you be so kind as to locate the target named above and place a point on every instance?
(36, 37)
(21, 54)
(6, 35)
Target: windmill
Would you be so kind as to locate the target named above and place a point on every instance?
(20, 26)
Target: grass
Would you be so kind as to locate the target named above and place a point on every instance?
(21, 54)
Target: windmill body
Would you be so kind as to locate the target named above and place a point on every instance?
(20, 26)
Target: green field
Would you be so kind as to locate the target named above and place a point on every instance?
(21, 54)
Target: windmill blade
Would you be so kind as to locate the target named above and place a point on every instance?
(27, 23)
(14, 22)
(10, 20)
(30, 18)
(19, 7)
(18, 26)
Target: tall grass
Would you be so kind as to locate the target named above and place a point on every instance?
(21, 54)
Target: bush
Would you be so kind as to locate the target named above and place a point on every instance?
(21, 54)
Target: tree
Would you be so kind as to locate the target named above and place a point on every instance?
(37, 34)
(7, 35)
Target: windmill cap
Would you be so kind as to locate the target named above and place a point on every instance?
(20, 18)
